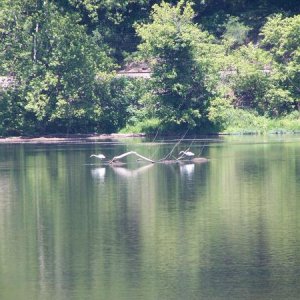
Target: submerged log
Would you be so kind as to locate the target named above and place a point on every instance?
(199, 160)
(195, 160)
(117, 163)
(168, 161)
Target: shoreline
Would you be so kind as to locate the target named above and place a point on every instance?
(93, 138)
(67, 138)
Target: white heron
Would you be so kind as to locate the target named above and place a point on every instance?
(187, 153)
(100, 156)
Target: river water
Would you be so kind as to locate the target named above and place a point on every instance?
(73, 227)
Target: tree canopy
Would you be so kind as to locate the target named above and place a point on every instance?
(181, 55)
(212, 62)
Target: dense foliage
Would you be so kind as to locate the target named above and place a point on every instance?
(226, 65)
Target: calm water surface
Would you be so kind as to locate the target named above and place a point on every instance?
(72, 227)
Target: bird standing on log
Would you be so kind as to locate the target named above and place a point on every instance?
(187, 153)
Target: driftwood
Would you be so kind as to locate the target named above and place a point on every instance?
(115, 161)
(199, 160)
(166, 159)
(196, 160)
(116, 158)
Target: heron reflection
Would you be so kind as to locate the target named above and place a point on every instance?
(187, 169)
(99, 173)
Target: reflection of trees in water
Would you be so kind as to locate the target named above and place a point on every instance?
(123, 205)
(6, 190)
(252, 211)
(211, 230)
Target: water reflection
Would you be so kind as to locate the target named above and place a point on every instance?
(187, 170)
(224, 230)
(128, 173)
(99, 173)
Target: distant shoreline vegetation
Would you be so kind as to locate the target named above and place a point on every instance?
(243, 126)
(210, 67)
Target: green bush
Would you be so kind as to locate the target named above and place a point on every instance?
(234, 120)
(149, 126)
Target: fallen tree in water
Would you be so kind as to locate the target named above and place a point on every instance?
(184, 156)
(116, 159)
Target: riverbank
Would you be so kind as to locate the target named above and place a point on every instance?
(67, 138)
(86, 138)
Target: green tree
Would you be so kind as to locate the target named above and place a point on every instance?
(281, 38)
(253, 82)
(181, 55)
(249, 78)
(114, 21)
(55, 63)
(235, 33)
(120, 101)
